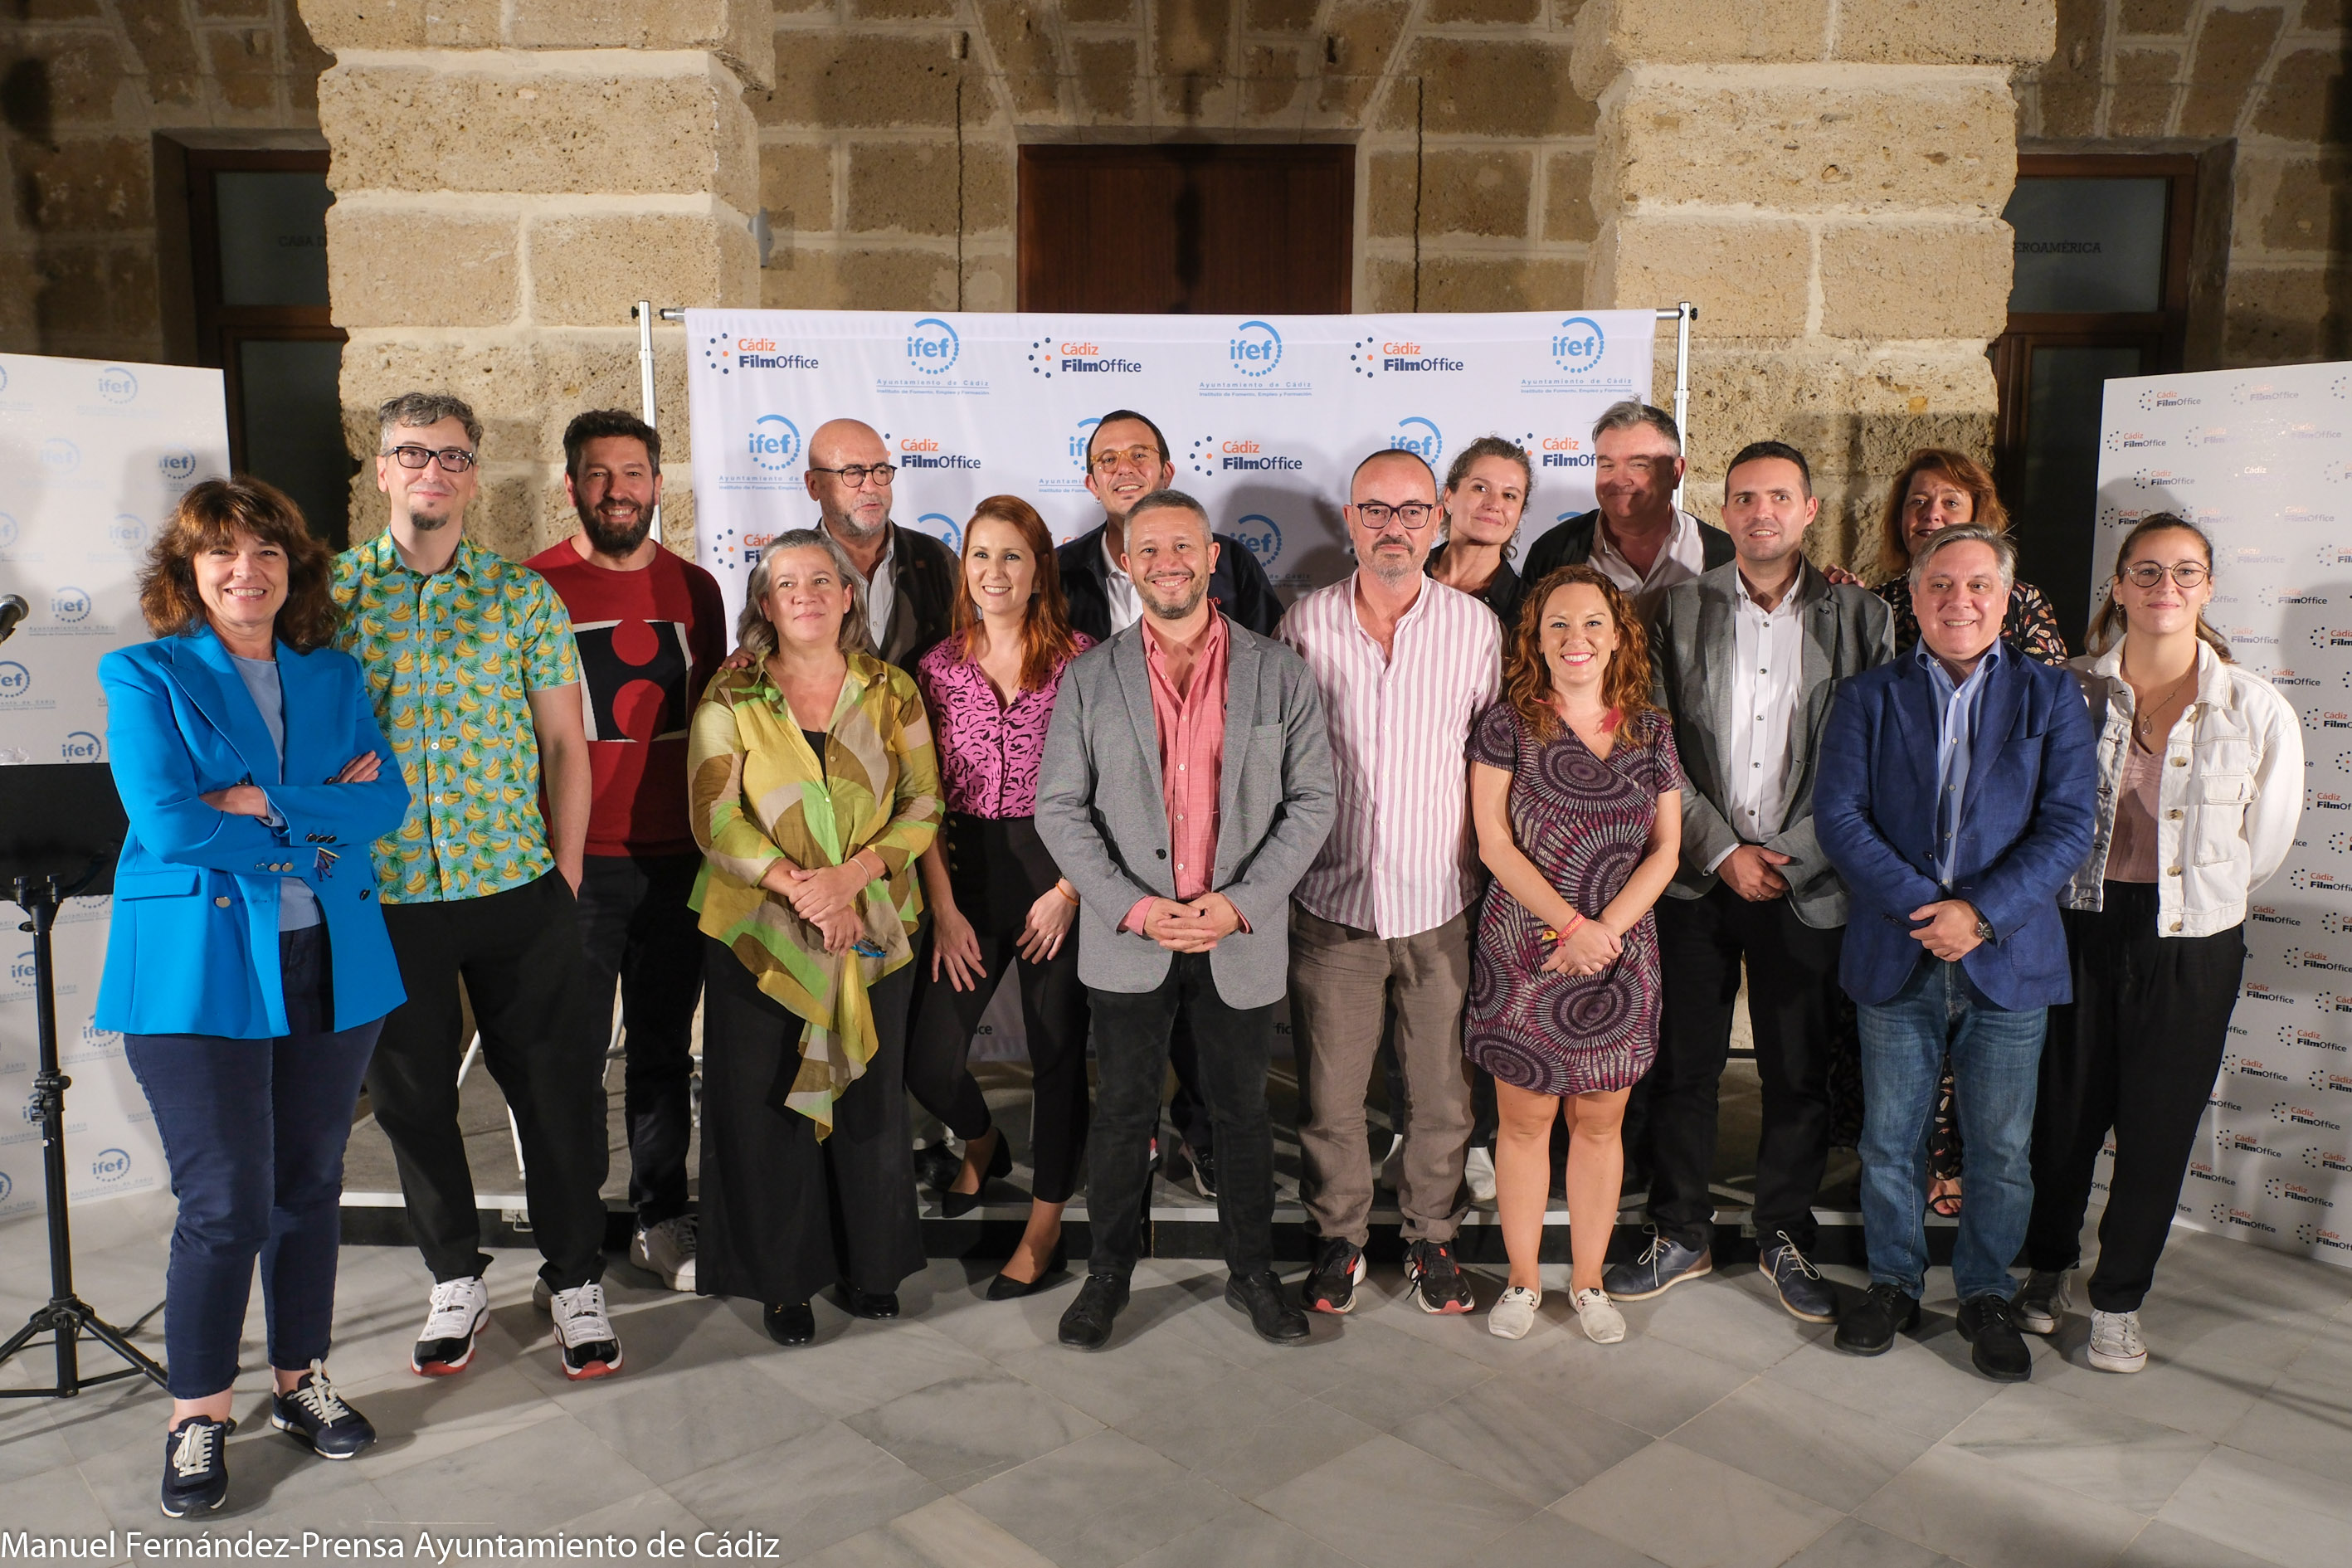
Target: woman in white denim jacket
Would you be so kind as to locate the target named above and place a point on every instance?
(2201, 785)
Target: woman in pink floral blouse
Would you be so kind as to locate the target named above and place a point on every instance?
(997, 900)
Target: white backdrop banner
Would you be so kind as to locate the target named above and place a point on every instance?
(2261, 460)
(93, 456)
(1265, 418)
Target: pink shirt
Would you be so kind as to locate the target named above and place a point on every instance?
(989, 749)
(1192, 732)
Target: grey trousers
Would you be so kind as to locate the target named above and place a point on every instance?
(1341, 981)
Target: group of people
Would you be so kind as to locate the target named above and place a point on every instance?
(1511, 835)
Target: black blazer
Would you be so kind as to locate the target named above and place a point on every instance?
(1571, 544)
(1239, 586)
(924, 571)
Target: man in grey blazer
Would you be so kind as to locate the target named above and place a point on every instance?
(1744, 658)
(1186, 787)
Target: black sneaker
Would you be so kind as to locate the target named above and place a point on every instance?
(196, 1469)
(1870, 1325)
(1332, 1284)
(1989, 1323)
(1434, 1277)
(315, 1416)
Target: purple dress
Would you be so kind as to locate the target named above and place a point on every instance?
(1585, 822)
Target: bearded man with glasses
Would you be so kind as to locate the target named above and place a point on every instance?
(910, 577)
(1404, 666)
(471, 665)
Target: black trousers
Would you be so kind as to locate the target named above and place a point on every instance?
(1131, 1033)
(999, 867)
(784, 1214)
(518, 954)
(1792, 1003)
(635, 928)
(2137, 1051)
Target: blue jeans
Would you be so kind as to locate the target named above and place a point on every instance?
(1996, 1062)
(254, 1134)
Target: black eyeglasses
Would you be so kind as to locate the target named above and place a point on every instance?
(453, 460)
(2148, 573)
(856, 475)
(1415, 514)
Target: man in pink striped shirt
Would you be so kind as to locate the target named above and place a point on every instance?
(1404, 664)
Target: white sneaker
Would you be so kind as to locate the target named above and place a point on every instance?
(1602, 1324)
(2041, 1302)
(1393, 1167)
(1478, 1173)
(446, 1342)
(2116, 1344)
(591, 1348)
(666, 1251)
(1513, 1313)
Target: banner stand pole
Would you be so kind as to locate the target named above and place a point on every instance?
(1682, 315)
(643, 313)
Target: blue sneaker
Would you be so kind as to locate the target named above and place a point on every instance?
(1802, 1290)
(196, 1470)
(1664, 1265)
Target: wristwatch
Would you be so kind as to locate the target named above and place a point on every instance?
(1984, 926)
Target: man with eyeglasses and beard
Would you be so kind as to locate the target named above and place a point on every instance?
(910, 577)
(651, 630)
(470, 663)
(1126, 460)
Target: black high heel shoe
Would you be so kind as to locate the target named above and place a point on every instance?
(1005, 1287)
(954, 1205)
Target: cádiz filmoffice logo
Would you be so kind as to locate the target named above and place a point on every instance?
(728, 354)
(925, 452)
(1396, 356)
(1076, 356)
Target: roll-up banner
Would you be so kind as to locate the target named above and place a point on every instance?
(93, 458)
(2261, 460)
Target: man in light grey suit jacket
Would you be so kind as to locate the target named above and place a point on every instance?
(1186, 786)
(1745, 659)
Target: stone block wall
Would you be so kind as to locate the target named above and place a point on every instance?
(84, 85)
(510, 178)
(2269, 75)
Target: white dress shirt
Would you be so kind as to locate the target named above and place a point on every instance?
(1403, 857)
(1683, 558)
(1125, 609)
(1768, 655)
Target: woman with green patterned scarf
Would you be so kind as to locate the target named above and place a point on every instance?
(813, 790)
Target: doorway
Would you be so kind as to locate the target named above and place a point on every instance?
(1178, 228)
(257, 264)
(2101, 290)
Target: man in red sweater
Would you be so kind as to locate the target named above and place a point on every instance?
(651, 632)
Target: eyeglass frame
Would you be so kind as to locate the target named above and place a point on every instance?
(865, 472)
(1430, 510)
(440, 454)
(2131, 573)
(1107, 460)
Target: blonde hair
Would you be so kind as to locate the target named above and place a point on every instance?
(758, 635)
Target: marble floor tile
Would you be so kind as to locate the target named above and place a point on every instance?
(1850, 1543)
(1908, 1385)
(943, 1533)
(638, 1518)
(1734, 1316)
(1249, 1434)
(1548, 1539)
(1801, 1442)
(962, 1430)
(2163, 1545)
(812, 1491)
(2047, 1435)
(2278, 1514)
(2202, 1381)
(682, 1420)
(1537, 1448)
(1386, 1501)
(857, 1370)
(61, 1504)
(1648, 1385)
(534, 1478)
(2305, 1422)
(1124, 1380)
(1245, 1539)
(1101, 1500)
(1644, 1503)
(1989, 1516)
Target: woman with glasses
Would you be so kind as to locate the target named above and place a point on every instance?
(813, 790)
(998, 902)
(2201, 787)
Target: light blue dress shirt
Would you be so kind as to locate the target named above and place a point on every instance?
(297, 907)
(1956, 722)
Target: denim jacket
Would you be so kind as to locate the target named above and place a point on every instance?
(2227, 802)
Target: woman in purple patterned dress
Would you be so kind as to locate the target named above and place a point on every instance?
(998, 902)
(1574, 788)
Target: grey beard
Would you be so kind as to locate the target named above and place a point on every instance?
(848, 525)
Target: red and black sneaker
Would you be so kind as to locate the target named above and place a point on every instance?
(1435, 1279)
(1332, 1284)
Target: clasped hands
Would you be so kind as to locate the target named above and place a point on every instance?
(826, 898)
(1194, 927)
(1950, 932)
(248, 800)
(1589, 948)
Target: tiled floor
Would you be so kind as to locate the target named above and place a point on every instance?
(1721, 1432)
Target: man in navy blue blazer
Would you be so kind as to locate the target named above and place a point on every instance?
(1955, 797)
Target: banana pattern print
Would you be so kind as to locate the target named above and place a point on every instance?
(450, 660)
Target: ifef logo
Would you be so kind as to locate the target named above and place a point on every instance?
(775, 443)
(1254, 349)
(932, 346)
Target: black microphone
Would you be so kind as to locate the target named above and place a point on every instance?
(13, 609)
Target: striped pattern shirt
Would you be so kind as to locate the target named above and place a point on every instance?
(1401, 857)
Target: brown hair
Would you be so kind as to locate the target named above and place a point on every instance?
(2108, 626)
(210, 516)
(1986, 510)
(1526, 679)
(1047, 642)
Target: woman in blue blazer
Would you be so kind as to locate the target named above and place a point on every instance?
(247, 967)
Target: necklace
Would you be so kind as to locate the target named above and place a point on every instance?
(2146, 715)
